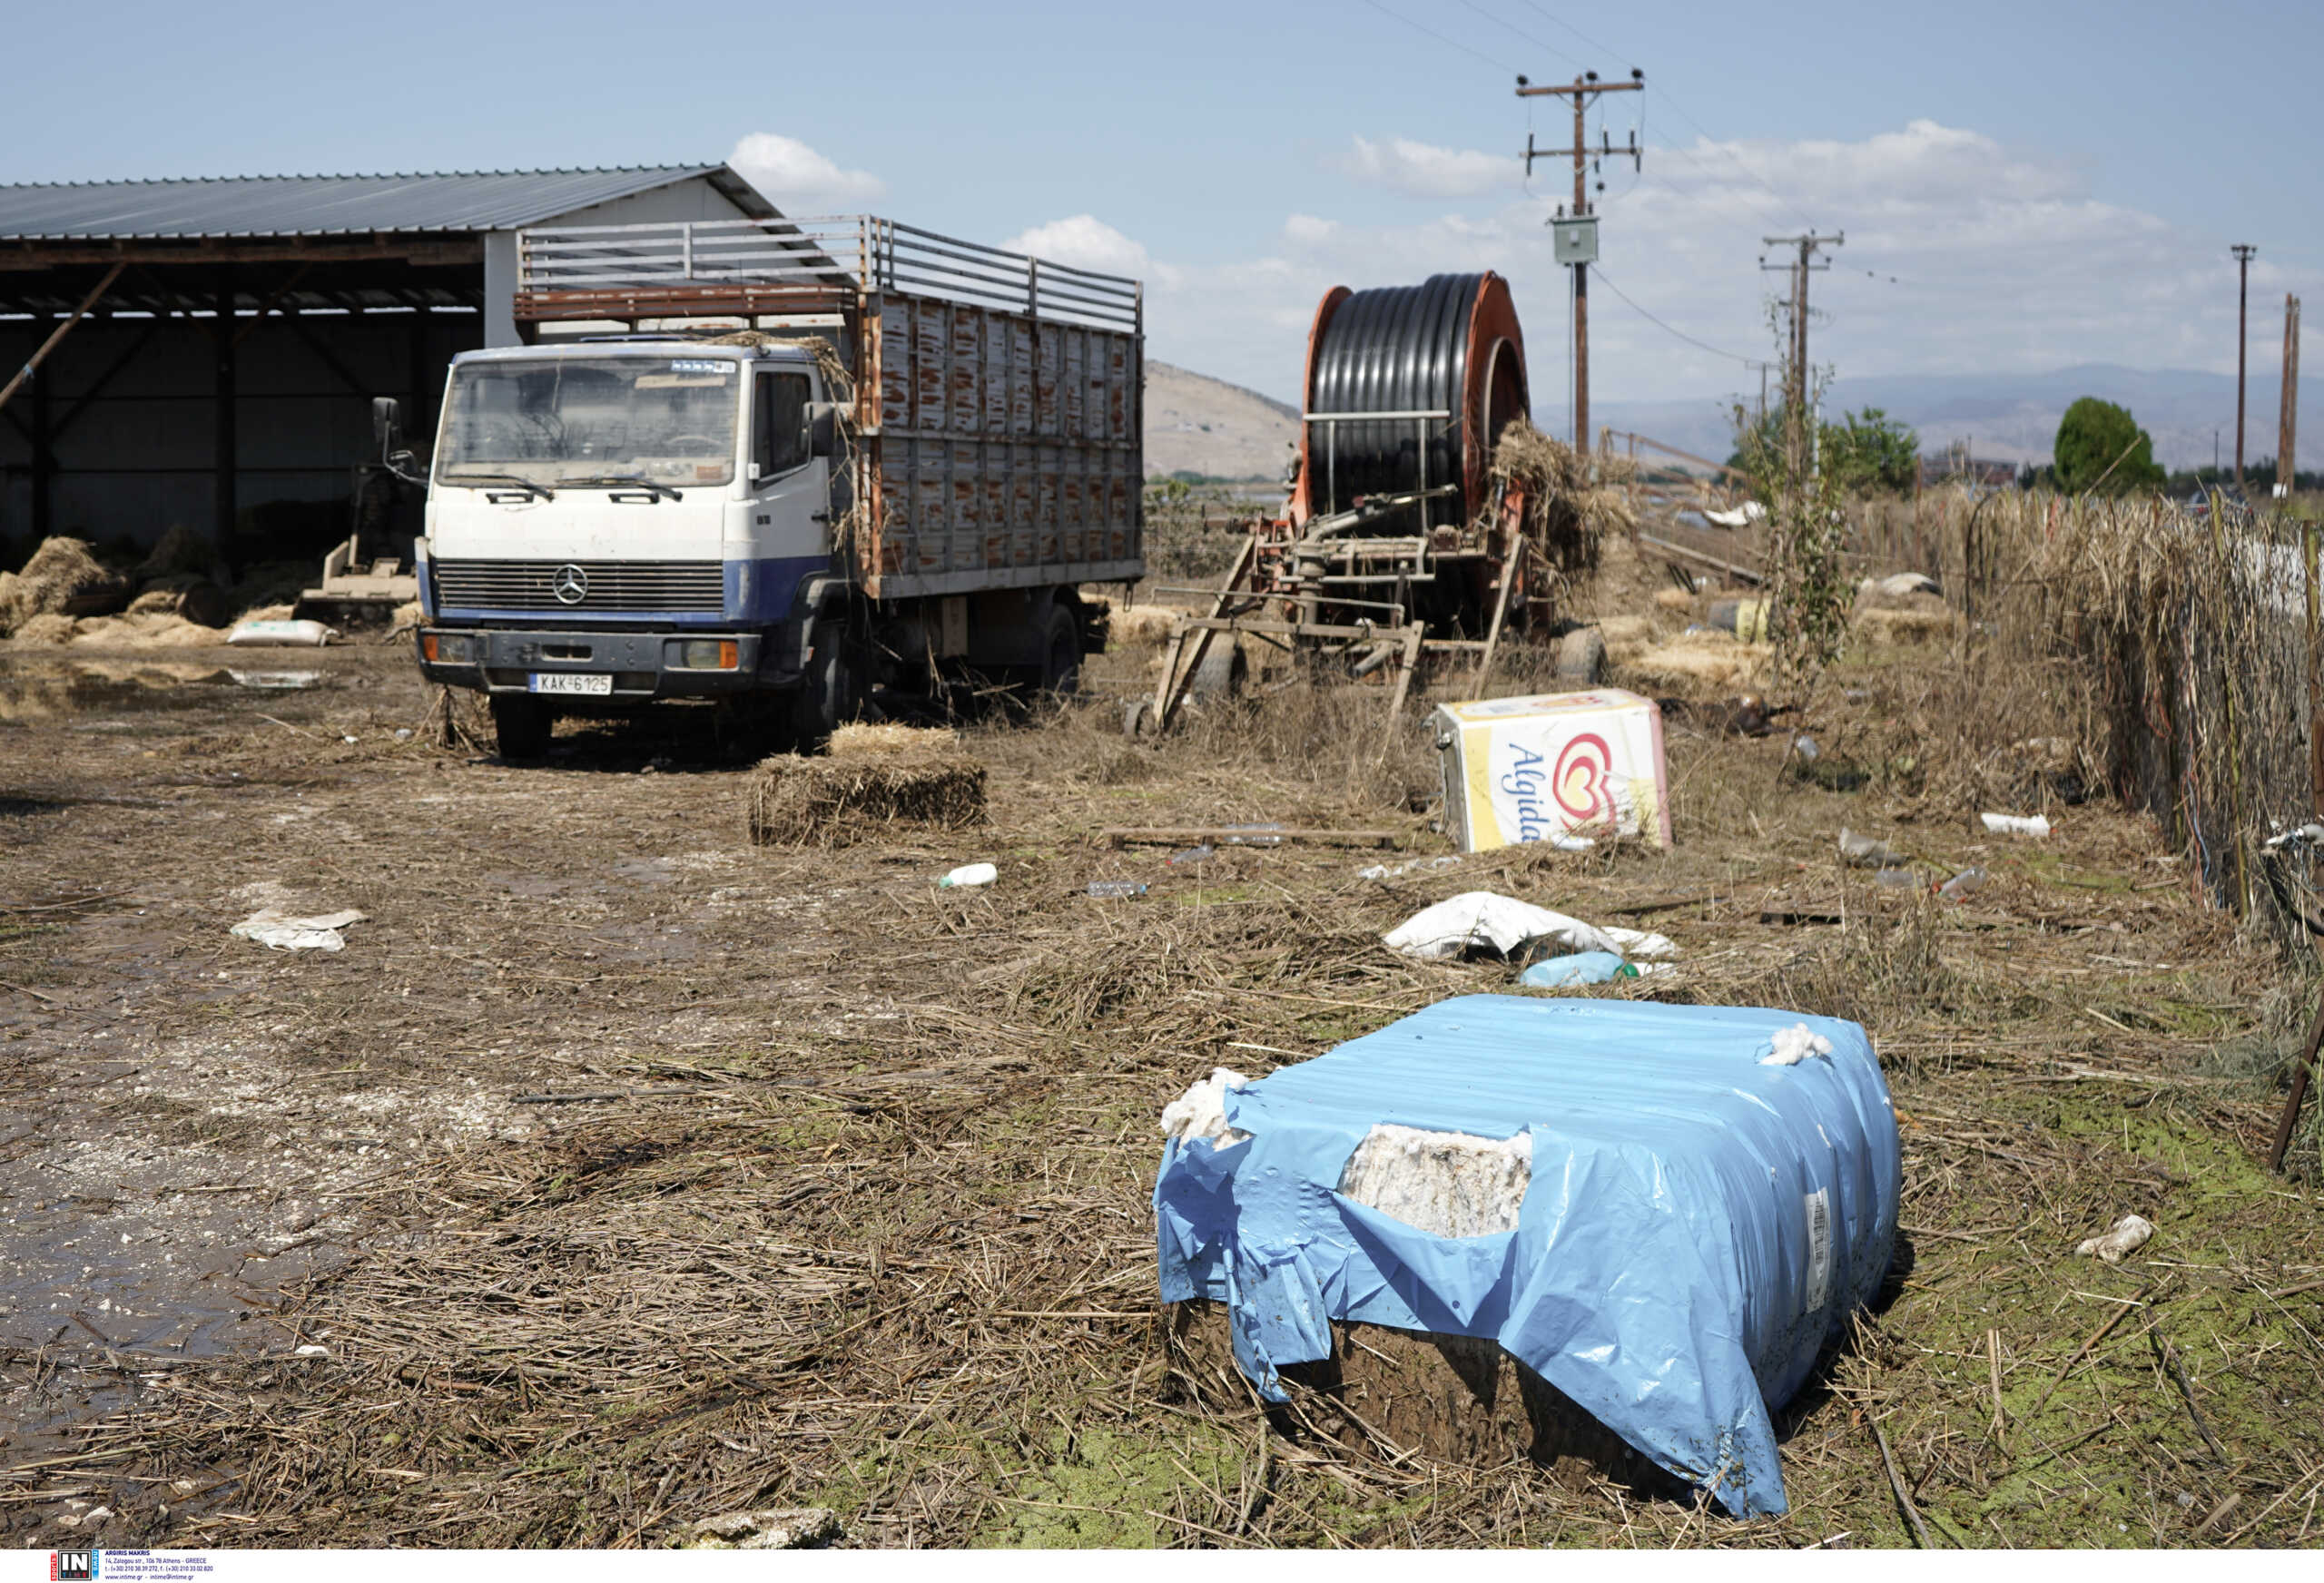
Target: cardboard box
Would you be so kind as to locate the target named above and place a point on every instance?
(1562, 764)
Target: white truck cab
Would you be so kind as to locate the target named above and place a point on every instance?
(623, 520)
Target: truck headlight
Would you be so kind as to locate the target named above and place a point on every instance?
(703, 653)
(448, 648)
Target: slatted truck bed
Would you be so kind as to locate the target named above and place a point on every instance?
(897, 479)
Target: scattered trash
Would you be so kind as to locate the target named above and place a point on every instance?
(310, 1351)
(1417, 865)
(1573, 844)
(1636, 943)
(2127, 1236)
(1200, 854)
(1864, 852)
(968, 875)
(280, 931)
(1963, 883)
(1531, 769)
(1478, 920)
(1705, 1225)
(1805, 746)
(2016, 824)
(1241, 835)
(2306, 835)
(403, 733)
(1900, 585)
(1895, 879)
(1116, 889)
(1746, 618)
(1201, 1111)
(277, 681)
(1790, 1046)
(798, 1528)
(1743, 516)
(305, 634)
(1580, 968)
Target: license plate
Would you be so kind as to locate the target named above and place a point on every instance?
(569, 682)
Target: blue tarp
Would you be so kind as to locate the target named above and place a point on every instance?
(1698, 1222)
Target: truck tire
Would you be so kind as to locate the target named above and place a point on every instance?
(830, 689)
(1581, 657)
(521, 724)
(1062, 656)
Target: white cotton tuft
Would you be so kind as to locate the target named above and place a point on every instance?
(1794, 1044)
(1448, 1184)
(1201, 1111)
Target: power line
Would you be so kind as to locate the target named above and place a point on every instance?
(1670, 328)
(1569, 27)
(1520, 32)
(1453, 43)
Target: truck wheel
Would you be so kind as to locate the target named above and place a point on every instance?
(830, 692)
(1061, 661)
(522, 723)
(1581, 657)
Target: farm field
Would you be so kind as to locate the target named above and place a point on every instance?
(619, 1173)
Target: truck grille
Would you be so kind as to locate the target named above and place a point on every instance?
(609, 585)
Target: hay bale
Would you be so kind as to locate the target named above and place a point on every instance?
(1893, 627)
(1712, 660)
(62, 578)
(1458, 1399)
(47, 628)
(182, 553)
(873, 775)
(153, 629)
(186, 595)
(1135, 625)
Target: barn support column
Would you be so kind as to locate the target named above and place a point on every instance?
(44, 443)
(225, 450)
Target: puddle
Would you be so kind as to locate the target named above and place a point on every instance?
(43, 691)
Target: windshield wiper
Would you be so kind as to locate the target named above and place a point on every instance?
(637, 480)
(543, 490)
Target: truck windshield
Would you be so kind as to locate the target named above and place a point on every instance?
(576, 419)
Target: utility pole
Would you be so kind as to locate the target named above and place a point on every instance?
(2288, 409)
(1583, 90)
(1802, 264)
(2243, 252)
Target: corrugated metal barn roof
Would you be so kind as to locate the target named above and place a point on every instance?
(240, 206)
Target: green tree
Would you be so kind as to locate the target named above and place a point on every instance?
(1871, 450)
(2099, 446)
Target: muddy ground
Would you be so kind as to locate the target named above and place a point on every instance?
(617, 1173)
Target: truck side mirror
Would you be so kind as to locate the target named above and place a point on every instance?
(387, 415)
(822, 429)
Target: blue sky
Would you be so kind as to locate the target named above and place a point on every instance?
(2023, 187)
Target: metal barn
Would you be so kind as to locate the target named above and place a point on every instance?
(222, 338)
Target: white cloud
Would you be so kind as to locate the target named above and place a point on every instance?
(1087, 242)
(1422, 170)
(1963, 256)
(798, 179)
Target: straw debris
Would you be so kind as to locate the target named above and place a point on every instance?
(874, 775)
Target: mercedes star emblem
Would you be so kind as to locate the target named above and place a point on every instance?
(570, 584)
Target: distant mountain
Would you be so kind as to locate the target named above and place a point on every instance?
(1195, 424)
(2011, 416)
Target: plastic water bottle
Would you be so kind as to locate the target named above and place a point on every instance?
(1193, 855)
(1116, 889)
(968, 875)
(1961, 884)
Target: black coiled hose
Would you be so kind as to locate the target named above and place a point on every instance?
(1396, 348)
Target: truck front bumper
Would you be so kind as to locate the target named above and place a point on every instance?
(643, 665)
